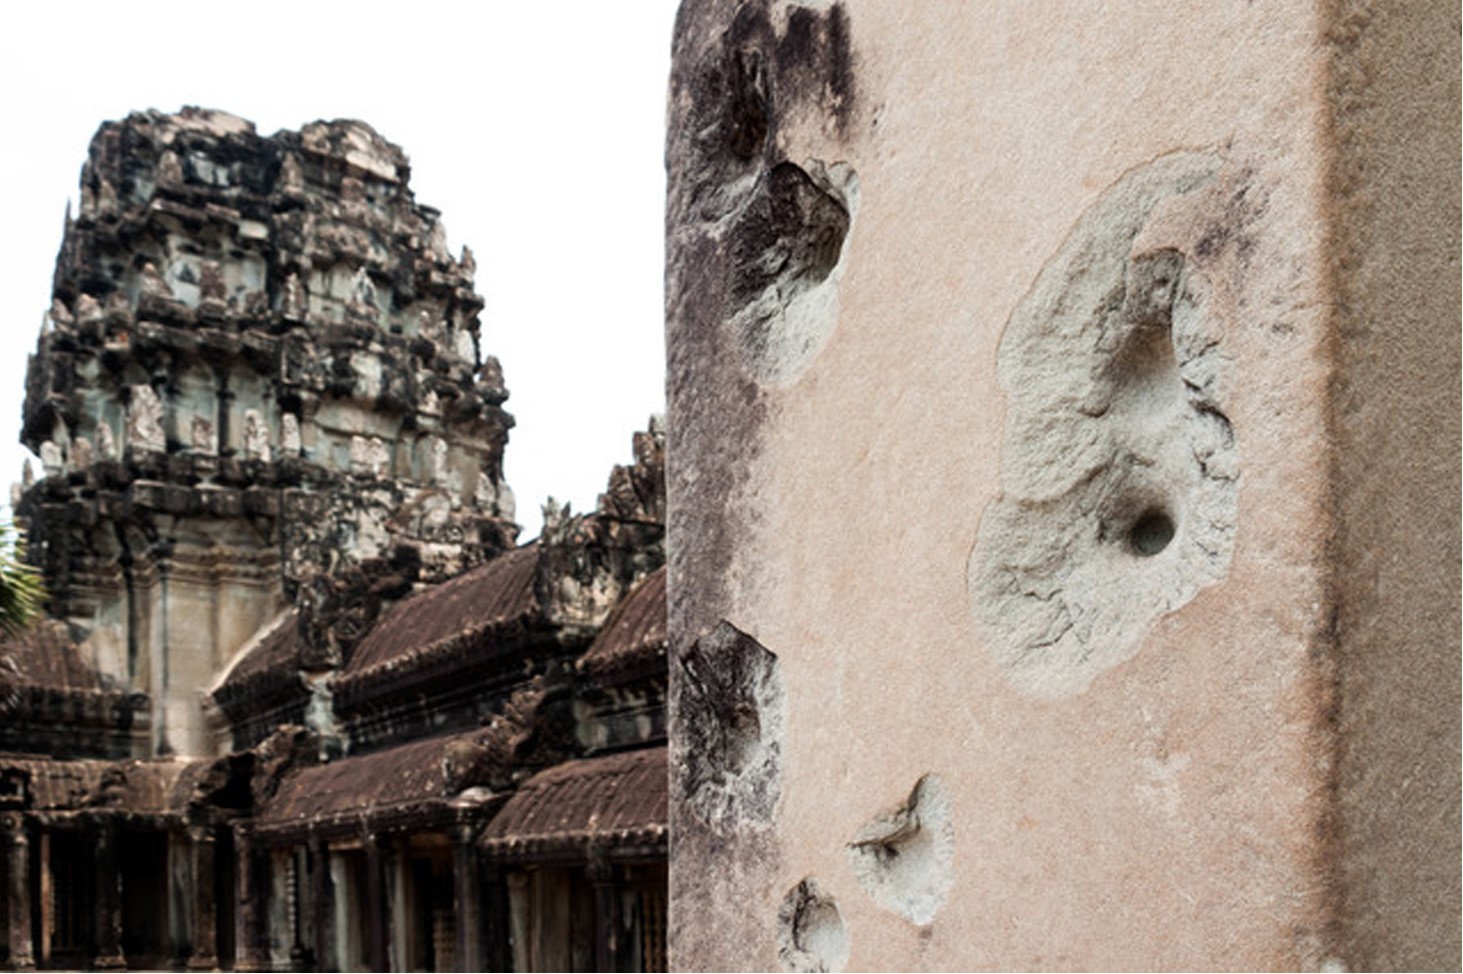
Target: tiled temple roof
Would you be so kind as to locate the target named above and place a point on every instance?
(273, 656)
(634, 633)
(45, 655)
(135, 787)
(495, 594)
(410, 777)
(616, 802)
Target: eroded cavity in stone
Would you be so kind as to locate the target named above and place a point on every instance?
(787, 258)
(904, 859)
(777, 221)
(1118, 468)
(729, 752)
(811, 934)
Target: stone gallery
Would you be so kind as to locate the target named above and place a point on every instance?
(300, 703)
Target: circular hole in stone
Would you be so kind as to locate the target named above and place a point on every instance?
(1151, 533)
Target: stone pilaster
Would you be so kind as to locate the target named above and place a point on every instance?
(109, 954)
(322, 904)
(202, 848)
(248, 905)
(376, 917)
(17, 845)
(606, 914)
(467, 898)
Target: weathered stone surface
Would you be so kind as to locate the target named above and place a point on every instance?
(221, 293)
(1101, 496)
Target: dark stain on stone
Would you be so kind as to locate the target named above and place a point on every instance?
(792, 229)
(729, 752)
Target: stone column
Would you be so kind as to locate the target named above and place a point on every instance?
(467, 898)
(497, 955)
(322, 904)
(520, 928)
(22, 952)
(45, 898)
(606, 914)
(204, 955)
(247, 905)
(109, 898)
(376, 919)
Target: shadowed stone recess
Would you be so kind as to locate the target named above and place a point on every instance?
(732, 714)
(904, 859)
(811, 934)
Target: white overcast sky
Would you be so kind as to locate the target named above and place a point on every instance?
(536, 128)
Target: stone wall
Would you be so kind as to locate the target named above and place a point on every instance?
(1063, 486)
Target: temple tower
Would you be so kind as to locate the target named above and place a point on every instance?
(258, 385)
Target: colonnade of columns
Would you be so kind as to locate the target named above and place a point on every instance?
(35, 900)
(336, 924)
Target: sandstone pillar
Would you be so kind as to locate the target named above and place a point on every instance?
(467, 898)
(322, 903)
(1064, 485)
(203, 904)
(606, 915)
(22, 951)
(497, 950)
(376, 915)
(249, 885)
(109, 898)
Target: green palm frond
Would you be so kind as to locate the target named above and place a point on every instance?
(22, 592)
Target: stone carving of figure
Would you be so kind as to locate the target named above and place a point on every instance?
(369, 456)
(362, 300)
(169, 169)
(490, 381)
(27, 475)
(211, 287)
(430, 327)
(555, 516)
(430, 405)
(81, 453)
(486, 494)
(293, 303)
(506, 506)
(464, 346)
(291, 179)
(439, 461)
(145, 420)
(289, 435)
(468, 262)
(204, 438)
(378, 457)
(154, 285)
(256, 436)
(17, 493)
(88, 310)
(51, 461)
(437, 243)
(119, 310)
(106, 444)
(495, 499)
(106, 198)
(359, 464)
(59, 314)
